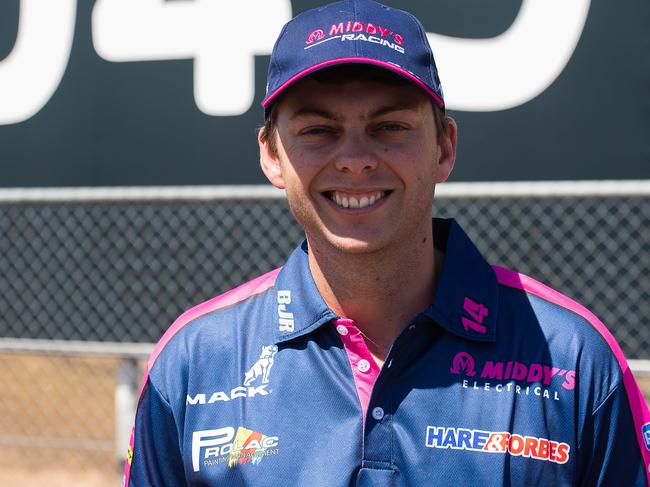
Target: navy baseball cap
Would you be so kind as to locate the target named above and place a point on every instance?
(352, 32)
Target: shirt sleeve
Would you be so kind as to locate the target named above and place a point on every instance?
(154, 456)
(612, 450)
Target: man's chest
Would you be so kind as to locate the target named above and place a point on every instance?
(438, 413)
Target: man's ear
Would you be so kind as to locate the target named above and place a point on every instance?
(270, 162)
(447, 152)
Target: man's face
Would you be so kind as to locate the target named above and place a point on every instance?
(359, 160)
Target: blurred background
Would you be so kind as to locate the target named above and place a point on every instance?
(130, 188)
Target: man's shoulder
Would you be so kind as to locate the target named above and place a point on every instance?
(552, 307)
(215, 321)
(566, 327)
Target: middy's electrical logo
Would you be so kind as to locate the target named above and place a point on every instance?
(257, 374)
(463, 362)
(357, 31)
(513, 376)
(497, 442)
(222, 445)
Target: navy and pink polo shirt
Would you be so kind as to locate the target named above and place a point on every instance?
(500, 381)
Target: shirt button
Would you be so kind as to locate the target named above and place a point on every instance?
(378, 413)
(341, 329)
(363, 365)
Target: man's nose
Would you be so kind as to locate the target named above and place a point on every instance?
(355, 155)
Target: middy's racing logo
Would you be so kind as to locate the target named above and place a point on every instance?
(221, 445)
(316, 35)
(260, 370)
(357, 31)
(512, 372)
(497, 442)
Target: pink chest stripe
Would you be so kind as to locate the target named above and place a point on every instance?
(638, 406)
(364, 368)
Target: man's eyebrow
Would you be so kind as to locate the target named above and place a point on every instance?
(313, 110)
(310, 110)
(406, 104)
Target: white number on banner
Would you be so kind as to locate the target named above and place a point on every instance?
(221, 36)
(32, 71)
(483, 75)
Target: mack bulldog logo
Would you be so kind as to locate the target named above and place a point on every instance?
(260, 370)
(262, 367)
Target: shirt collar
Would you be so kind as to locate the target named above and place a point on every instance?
(465, 303)
(299, 307)
(467, 295)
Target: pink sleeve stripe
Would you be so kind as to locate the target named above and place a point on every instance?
(236, 295)
(245, 291)
(637, 402)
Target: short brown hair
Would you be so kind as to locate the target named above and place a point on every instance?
(337, 75)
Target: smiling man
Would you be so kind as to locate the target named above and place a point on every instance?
(386, 351)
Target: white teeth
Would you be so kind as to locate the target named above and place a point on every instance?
(349, 201)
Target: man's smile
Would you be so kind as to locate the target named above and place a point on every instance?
(357, 199)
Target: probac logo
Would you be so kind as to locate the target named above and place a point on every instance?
(645, 431)
(357, 31)
(260, 370)
(221, 445)
(497, 442)
(508, 376)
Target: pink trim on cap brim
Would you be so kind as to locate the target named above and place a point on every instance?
(352, 60)
(638, 406)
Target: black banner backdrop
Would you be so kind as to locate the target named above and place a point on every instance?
(133, 92)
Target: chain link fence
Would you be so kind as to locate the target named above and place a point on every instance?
(119, 270)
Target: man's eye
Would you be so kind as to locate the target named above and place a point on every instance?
(392, 127)
(315, 131)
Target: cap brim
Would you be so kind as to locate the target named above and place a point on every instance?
(352, 60)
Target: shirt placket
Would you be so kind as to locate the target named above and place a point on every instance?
(370, 381)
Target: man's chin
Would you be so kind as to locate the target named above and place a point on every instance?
(355, 244)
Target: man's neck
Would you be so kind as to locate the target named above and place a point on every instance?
(380, 291)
